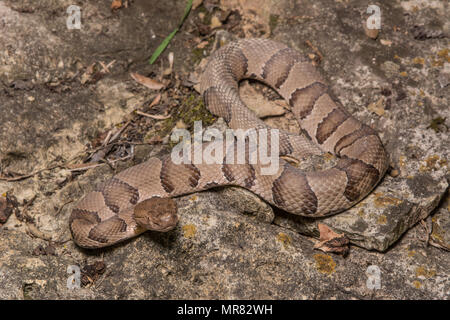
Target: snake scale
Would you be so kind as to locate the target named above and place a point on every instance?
(139, 198)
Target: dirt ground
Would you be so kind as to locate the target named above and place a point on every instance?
(72, 115)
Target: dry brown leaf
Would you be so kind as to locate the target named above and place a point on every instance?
(180, 125)
(331, 241)
(377, 107)
(155, 101)
(326, 233)
(215, 22)
(196, 4)
(149, 83)
(116, 4)
(202, 44)
(386, 42)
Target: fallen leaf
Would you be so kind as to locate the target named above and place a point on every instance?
(116, 4)
(386, 42)
(149, 83)
(92, 272)
(196, 4)
(155, 101)
(202, 44)
(85, 77)
(180, 125)
(215, 22)
(331, 241)
(377, 107)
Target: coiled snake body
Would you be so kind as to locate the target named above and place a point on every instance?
(138, 198)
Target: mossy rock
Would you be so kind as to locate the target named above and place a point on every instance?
(191, 109)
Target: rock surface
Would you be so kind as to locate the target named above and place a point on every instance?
(58, 99)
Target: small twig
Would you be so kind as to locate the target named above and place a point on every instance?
(99, 282)
(75, 75)
(150, 143)
(34, 231)
(117, 135)
(60, 208)
(157, 117)
(314, 49)
(91, 281)
(210, 35)
(108, 137)
(105, 161)
(62, 241)
(31, 227)
(427, 231)
(27, 204)
(21, 177)
(427, 235)
(106, 67)
(111, 162)
(87, 167)
(437, 245)
(83, 167)
(24, 213)
(62, 165)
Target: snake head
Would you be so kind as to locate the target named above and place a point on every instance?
(157, 214)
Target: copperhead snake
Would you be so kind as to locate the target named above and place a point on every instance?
(139, 198)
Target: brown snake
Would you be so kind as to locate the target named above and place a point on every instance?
(139, 198)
